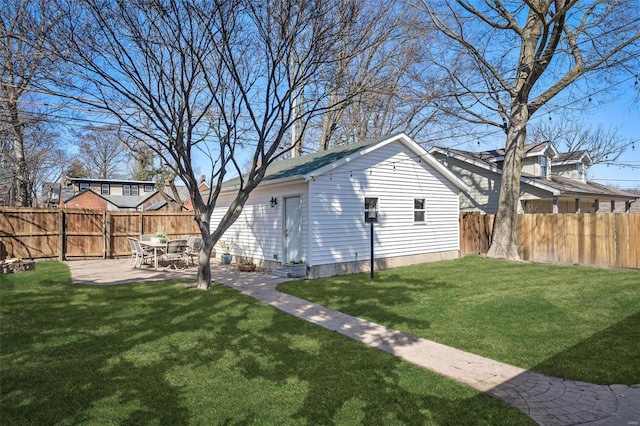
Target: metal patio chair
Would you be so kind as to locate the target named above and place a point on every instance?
(173, 253)
(193, 247)
(138, 254)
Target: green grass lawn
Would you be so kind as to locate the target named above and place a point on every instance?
(574, 322)
(155, 353)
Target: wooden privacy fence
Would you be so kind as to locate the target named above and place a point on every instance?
(82, 234)
(603, 239)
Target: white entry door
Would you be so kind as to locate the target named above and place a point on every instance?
(292, 229)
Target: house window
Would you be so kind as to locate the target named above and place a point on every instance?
(84, 185)
(148, 188)
(370, 210)
(126, 189)
(135, 190)
(544, 166)
(580, 168)
(418, 210)
(104, 189)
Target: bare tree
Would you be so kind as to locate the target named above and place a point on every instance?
(46, 156)
(24, 29)
(212, 78)
(149, 166)
(602, 143)
(501, 62)
(101, 151)
(390, 48)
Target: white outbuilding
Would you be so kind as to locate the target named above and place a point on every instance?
(317, 208)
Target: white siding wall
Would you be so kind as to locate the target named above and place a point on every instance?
(530, 165)
(336, 202)
(257, 233)
(484, 186)
(568, 171)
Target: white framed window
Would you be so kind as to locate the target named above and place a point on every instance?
(580, 169)
(126, 189)
(135, 190)
(370, 210)
(544, 166)
(105, 189)
(148, 188)
(84, 185)
(419, 209)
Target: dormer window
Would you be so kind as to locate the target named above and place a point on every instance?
(580, 170)
(544, 166)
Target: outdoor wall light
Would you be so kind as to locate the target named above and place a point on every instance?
(273, 202)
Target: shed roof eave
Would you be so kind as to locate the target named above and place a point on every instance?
(268, 183)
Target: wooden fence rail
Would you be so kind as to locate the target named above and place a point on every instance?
(82, 234)
(602, 239)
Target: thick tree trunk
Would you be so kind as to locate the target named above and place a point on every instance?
(204, 267)
(20, 180)
(204, 270)
(504, 243)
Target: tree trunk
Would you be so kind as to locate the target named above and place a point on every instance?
(204, 270)
(21, 187)
(204, 267)
(504, 243)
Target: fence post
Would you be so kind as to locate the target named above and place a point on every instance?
(62, 236)
(106, 229)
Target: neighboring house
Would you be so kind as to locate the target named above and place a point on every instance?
(315, 208)
(203, 188)
(551, 182)
(107, 194)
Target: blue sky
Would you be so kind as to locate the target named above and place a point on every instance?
(624, 113)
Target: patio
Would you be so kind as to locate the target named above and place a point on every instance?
(118, 271)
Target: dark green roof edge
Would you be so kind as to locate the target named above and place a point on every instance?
(304, 165)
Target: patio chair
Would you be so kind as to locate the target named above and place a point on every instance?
(173, 253)
(134, 251)
(193, 247)
(138, 254)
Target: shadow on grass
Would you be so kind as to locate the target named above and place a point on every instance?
(378, 301)
(155, 353)
(611, 356)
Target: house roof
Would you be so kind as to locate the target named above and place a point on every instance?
(142, 182)
(311, 165)
(306, 164)
(128, 201)
(572, 158)
(573, 187)
(156, 205)
(557, 185)
(120, 201)
(469, 157)
(530, 150)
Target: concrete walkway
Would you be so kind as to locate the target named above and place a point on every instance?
(547, 400)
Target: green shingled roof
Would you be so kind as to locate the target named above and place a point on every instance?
(300, 166)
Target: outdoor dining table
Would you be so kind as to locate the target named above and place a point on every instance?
(155, 246)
